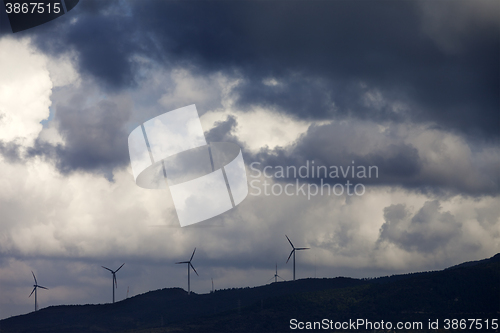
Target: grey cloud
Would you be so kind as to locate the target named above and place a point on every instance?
(95, 137)
(326, 54)
(399, 162)
(10, 151)
(451, 27)
(425, 231)
(329, 60)
(95, 133)
(488, 216)
(223, 131)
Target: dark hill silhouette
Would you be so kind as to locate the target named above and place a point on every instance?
(466, 291)
(495, 258)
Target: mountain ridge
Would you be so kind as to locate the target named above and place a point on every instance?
(464, 288)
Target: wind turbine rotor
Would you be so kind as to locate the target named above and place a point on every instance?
(293, 252)
(119, 267)
(35, 286)
(114, 282)
(190, 265)
(193, 268)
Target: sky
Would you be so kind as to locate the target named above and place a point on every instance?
(409, 87)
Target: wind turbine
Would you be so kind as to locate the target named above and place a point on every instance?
(293, 252)
(276, 276)
(114, 284)
(189, 269)
(35, 287)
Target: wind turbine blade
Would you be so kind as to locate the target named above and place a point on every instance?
(34, 277)
(270, 279)
(290, 241)
(182, 262)
(302, 248)
(192, 255)
(43, 287)
(114, 279)
(281, 278)
(290, 255)
(119, 267)
(32, 292)
(107, 269)
(193, 269)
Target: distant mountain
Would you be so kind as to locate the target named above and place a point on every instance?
(469, 290)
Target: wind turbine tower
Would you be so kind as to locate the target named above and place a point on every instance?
(35, 287)
(114, 284)
(293, 252)
(189, 265)
(276, 276)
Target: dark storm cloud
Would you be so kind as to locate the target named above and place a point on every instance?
(425, 231)
(109, 63)
(5, 28)
(314, 60)
(326, 54)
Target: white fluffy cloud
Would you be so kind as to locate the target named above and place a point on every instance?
(25, 89)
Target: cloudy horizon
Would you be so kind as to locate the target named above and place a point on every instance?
(410, 87)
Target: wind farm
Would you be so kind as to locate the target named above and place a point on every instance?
(269, 307)
(114, 282)
(218, 310)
